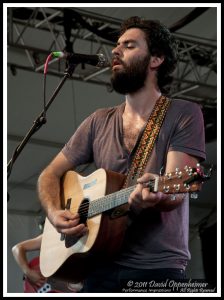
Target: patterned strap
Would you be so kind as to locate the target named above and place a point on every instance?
(148, 139)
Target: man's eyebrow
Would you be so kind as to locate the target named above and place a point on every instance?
(127, 41)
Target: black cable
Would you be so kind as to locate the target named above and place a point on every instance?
(188, 18)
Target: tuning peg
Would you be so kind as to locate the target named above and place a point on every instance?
(187, 186)
(178, 173)
(204, 173)
(168, 175)
(176, 187)
(188, 170)
(166, 188)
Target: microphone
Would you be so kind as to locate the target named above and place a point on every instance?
(97, 60)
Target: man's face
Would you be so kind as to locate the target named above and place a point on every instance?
(130, 62)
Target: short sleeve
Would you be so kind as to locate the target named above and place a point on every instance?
(189, 135)
(79, 149)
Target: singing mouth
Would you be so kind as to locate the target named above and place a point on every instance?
(116, 62)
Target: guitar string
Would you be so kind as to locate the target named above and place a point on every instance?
(106, 200)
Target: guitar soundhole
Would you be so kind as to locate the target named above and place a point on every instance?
(83, 213)
(83, 210)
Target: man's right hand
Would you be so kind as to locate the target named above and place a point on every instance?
(67, 223)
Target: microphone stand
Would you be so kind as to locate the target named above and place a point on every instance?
(40, 120)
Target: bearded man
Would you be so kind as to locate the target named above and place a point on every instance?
(155, 241)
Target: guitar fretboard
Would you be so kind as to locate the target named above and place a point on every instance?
(110, 201)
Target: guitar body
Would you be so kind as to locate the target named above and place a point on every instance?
(73, 259)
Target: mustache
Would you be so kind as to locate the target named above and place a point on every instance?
(116, 61)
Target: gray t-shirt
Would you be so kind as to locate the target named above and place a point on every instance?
(154, 239)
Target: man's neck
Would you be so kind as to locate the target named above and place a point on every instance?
(142, 102)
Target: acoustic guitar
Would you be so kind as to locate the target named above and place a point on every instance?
(103, 205)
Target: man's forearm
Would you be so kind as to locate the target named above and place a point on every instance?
(49, 191)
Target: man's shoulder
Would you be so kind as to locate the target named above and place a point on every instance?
(107, 111)
(181, 102)
(184, 105)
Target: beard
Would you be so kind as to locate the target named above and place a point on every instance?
(131, 78)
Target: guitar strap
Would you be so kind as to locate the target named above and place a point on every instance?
(147, 141)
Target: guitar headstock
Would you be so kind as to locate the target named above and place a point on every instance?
(183, 181)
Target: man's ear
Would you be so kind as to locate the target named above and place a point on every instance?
(156, 61)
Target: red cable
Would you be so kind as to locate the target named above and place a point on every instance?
(46, 63)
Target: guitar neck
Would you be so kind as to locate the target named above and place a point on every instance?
(110, 201)
(172, 183)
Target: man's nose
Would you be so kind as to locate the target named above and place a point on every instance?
(117, 51)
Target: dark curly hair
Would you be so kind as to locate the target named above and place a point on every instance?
(160, 42)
